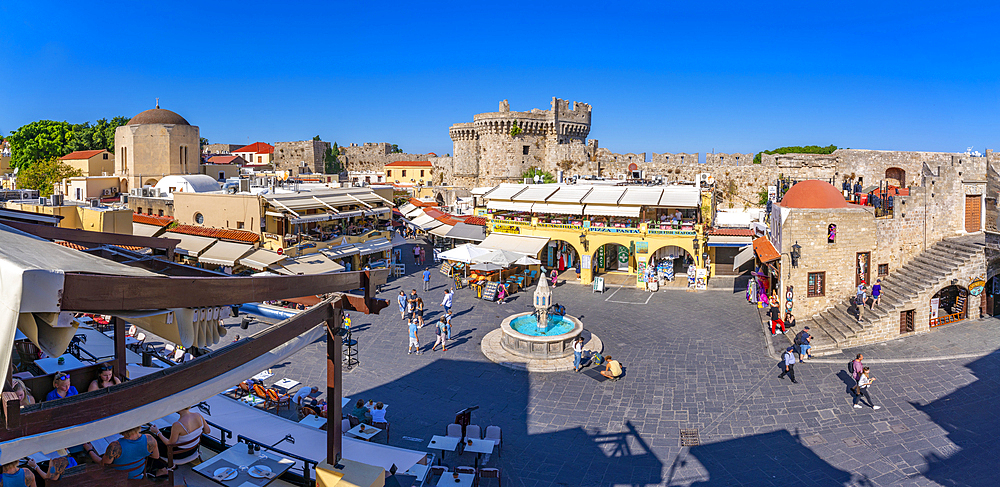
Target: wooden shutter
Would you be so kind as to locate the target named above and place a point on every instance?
(973, 212)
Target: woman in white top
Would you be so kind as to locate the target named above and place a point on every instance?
(863, 382)
(577, 353)
(185, 437)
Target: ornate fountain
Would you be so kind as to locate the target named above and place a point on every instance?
(540, 334)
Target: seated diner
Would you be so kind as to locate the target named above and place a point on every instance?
(105, 379)
(62, 387)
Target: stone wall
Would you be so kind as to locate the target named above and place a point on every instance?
(373, 156)
(301, 157)
(992, 215)
(151, 206)
(219, 148)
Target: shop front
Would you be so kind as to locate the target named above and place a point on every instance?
(949, 305)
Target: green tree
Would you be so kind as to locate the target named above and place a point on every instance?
(202, 142)
(547, 177)
(39, 140)
(795, 149)
(762, 196)
(42, 175)
(317, 138)
(515, 129)
(395, 149)
(331, 160)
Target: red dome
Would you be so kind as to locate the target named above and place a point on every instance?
(813, 194)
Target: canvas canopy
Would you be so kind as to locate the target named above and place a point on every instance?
(517, 243)
(224, 253)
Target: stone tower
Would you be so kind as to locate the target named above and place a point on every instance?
(153, 144)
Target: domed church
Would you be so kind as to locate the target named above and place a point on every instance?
(154, 144)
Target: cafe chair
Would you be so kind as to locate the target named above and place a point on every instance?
(490, 473)
(471, 470)
(131, 331)
(494, 433)
(140, 340)
(27, 352)
(353, 420)
(242, 389)
(345, 425)
(473, 431)
(273, 397)
(306, 411)
(454, 430)
(384, 426)
(437, 470)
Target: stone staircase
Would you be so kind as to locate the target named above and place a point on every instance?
(837, 328)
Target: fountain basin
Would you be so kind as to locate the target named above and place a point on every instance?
(520, 336)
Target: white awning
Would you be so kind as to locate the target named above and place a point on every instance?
(604, 195)
(464, 231)
(608, 210)
(377, 210)
(642, 195)
(442, 231)
(322, 217)
(191, 245)
(374, 246)
(341, 251)
(515, 243)
(406, 208)
(422, 219)
(433, 223)
(569, 194)
(536, 192)
(557, 209)
(745, 255)
(506, 191)
(144, 230)
(315, 263)
(680, 197)
(261, 259)
(413, 213)
(224, 253)
(508, 205)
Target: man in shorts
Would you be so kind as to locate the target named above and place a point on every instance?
(414, 341)
(803, 341)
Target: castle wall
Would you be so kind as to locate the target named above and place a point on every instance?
(301, 157)
(373, 156)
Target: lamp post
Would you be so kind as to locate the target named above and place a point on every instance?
(795, 254)
(583, 241)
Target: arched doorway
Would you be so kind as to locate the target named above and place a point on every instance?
(949, 305)
(992, 292)
(671, 259)
(150, 182)
(898, 174)
(560, 255)
(612, 257)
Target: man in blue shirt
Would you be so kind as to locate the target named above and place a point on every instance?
(427, 278)
(789, 365)
(414, 341)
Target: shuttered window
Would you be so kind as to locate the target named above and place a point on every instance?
(816, 285)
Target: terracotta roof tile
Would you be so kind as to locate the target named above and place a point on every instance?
(476, 220)
(421, 203)
(410, 164)
(160, 221)
(224, 159)
(71, 245)
(221, 233)
(81, 154)
(731, 232)
(258, 148)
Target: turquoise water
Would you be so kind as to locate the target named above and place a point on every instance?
(528, 325)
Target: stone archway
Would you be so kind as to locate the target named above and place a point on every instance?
(948, 305)
(676, 255)
(561, 256)
(898, 174)
(611, 257)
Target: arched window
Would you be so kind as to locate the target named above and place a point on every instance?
(831, 233)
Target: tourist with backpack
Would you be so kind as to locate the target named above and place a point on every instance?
(803, 342)
(788, 367)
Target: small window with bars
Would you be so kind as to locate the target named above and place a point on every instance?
(883, 270)
(816, 284)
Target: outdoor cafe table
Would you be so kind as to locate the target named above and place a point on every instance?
(50, 365)
(367, 434)
(313, 421)
(286, 384)
(237, 456)
(479, 447)
(443, 443)
(464, 480)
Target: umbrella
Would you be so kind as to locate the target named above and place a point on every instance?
(500, 257)
(464, 253)
(486, 267)
(527, 260)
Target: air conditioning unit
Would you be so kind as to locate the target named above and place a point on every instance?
(42, 201)
(107, 192)
(57, 200)
(95, 203)
(245, 185)
(135, 192)
(704, 177)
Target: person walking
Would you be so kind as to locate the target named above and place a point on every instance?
(447, 320)
(789, 365)
(501, 293)
(803, 340)
(427, 278)
(857, 367)
(859, 300)
(420, 312)
(416, 254)
(423, 255)
(446, 302)
(401, 299)
(414, 340)
(876, 293)
(555, 277)
(442, 334)
(577, 353)
(864, 382)
(775, 313)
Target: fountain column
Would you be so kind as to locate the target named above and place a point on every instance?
(543, 299)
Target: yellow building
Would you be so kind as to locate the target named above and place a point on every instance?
(86, 188)
(602, 229)
(256, 154)
(409, 173)
(91, 218)
(91, 162)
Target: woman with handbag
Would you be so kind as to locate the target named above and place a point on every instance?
(864, 382)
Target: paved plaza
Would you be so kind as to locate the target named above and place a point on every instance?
(693, 361)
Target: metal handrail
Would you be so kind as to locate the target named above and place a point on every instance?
(223, 433)
(257, 446)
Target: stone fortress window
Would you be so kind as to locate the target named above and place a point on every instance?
(524, 150)
(816, 284)
(831, 233)
(883, 270)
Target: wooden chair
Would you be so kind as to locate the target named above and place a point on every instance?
(384, 426)
(27, 352)
(471, 470)
(278, 399)
(353, 421)
(437, 470)
(490, 473)
(242, 389)
(259, 391)
(306, 411)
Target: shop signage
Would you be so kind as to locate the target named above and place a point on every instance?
(614, 230)
(977, 286)
(507, 229)
(271, 236)
(642, 247)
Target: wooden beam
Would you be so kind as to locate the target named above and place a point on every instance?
(87, 292)
(101, 238)
(120, 363)
(84, 408)
(334, 387)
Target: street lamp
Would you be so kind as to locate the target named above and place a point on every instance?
(583, 240)
(795, 254)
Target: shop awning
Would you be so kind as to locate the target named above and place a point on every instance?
(308, 264)
(680, 197)
(413, 213)
(508, 205)
(433, 223)
(515, 243)
(557, 209)
(604, 195)
(745, 255)
(261, 259)
(536, 192)
(765, 250)
(506, 191)
(422, 219)
(341, 251)
(377, 211)
(609, 210)
(406, 208)
(374, 246)
(322, 217)
(464, 231)
(642, 195)
(570, 194)
(144, 230)
(224, 253)
(191, 245)
(728, 241)
(442, 231)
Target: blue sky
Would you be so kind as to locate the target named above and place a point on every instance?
(662, 77)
